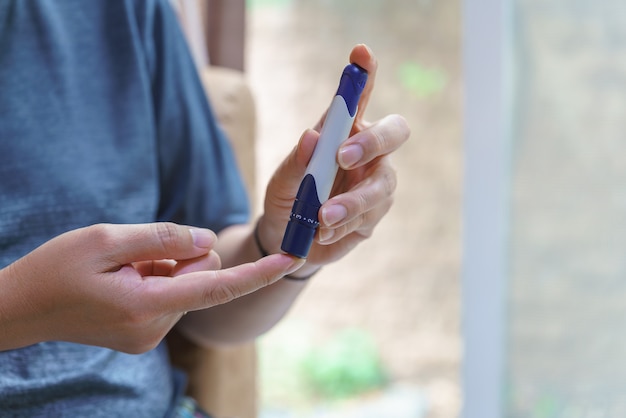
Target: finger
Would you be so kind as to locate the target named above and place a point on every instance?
(363, 56)
(376, 188)
(282, 189)
(201, 290)
(291, 171)
(123, 244)
(286, 180)
(358, 228)
(210, 261)
(381, 138)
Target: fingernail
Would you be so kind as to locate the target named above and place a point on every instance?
(334, 214)
(350, 155)
(295, 265)
(326, 234)
(202, 238)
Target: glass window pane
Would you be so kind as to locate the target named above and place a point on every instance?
(566, 352)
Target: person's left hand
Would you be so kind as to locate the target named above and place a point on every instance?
(363, 190)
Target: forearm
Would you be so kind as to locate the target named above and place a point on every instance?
(249, 316)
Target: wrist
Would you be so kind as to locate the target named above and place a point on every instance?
(20, 324)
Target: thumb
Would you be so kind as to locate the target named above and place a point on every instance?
(124, 244)
(286, 179)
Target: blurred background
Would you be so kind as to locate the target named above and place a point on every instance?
(376, 334)
(379, 334)
(567, 243)
(524, 320)
(545, 114)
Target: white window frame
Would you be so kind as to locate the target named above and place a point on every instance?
(486, 53)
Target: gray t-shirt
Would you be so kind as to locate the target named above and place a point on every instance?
(102, 119)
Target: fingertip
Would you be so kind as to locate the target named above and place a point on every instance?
(403, 125)
(296, 263)
(288, 262)
(287, 177)
(203, 238)
(306, 146)
(363, 56)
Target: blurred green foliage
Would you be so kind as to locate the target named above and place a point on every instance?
(547, 407)
(421, 81)
(347, 365)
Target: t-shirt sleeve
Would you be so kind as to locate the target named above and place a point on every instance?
(200, 183)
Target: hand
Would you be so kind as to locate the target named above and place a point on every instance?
(363, 191)
(121, 286)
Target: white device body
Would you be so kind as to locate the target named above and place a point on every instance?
(336, 129)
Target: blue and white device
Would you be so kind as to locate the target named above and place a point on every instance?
(322, 169)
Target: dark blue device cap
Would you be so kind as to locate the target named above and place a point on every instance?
(351, 86)
(303, 222)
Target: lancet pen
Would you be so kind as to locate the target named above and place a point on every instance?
(322, 169)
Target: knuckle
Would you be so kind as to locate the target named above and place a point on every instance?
(218, 294)
(389, 181)
(102, 238)
(168, 235)
(388, 134)
(103, 234)
(374, 191)
(361, 203)
(354, 225)
(265, 279)
(380, 141)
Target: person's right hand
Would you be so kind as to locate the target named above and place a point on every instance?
(121, 286)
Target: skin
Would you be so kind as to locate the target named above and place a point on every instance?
(125, 286)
